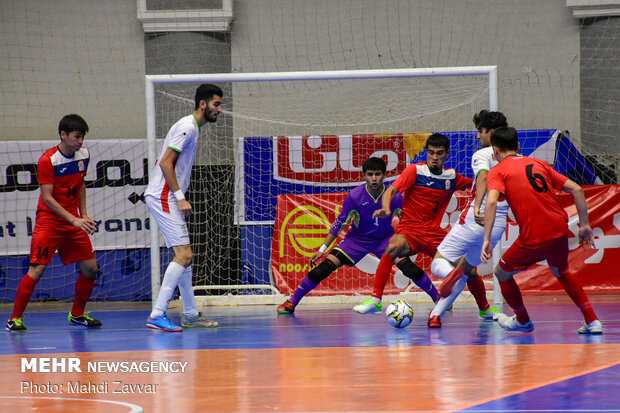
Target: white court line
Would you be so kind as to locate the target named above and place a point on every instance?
(134, 407)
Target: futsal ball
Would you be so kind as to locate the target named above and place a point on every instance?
(399, 314)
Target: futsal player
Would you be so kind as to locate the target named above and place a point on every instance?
(461, 247)
(367, 235)
(426, 188)
(165, 198)
(528, 186)
(62, 223)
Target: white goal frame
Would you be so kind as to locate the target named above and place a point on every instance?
(151, 80)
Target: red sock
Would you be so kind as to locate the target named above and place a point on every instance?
(575, 291)
(83, 289)
(383, 272)
(512, 294)
(24, 292)
(477, 289)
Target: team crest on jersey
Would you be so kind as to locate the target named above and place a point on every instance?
(447, 184)
(81, 167)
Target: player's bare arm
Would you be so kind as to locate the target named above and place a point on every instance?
(489, 220)
(85, 224)
(167, 167)
(386, 201)
(481, 190)
(321, 252)
(586, 235)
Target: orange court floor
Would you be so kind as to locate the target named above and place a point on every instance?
(319, 359)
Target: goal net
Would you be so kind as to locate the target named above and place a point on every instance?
(302, 137)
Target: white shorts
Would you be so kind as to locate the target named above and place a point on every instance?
(466, 240)
(172, 224)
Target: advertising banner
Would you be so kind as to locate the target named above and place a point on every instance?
(279, 165)
(302, 224)
(116, 179)
(303, 221)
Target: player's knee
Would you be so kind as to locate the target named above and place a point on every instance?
(441, 267)
(410, 270)
(36, 271)
(92, 271)
(393, 249)
(322, 271)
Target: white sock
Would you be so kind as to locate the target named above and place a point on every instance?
(441, 267)
(444, 303)
(187, 293)
(168, 285)
(376, 300)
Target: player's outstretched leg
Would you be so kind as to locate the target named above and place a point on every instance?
(309, 283)
(419, 277)
(521, 320)
(575, 291)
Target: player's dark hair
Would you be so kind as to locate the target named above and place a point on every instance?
(489, 120)
(205, 92)
(374, 164)
(73, 122)
(438, 141)
(505, 139)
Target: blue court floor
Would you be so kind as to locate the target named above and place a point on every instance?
(552, 369)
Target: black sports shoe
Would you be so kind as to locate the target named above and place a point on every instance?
(84, 320)
(16, 324)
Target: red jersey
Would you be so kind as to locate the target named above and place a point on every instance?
(426, 195)
(528, 185)
(67, 175)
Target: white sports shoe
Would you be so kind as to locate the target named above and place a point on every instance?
(511, 324)
(368, 307)
(595, 327)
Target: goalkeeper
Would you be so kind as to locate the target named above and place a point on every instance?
(367, 235)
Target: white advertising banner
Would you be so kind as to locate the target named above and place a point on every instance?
(116, 180)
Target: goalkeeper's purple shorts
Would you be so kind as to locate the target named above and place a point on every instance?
(355, 248)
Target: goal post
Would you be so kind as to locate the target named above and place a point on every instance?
(153, 81)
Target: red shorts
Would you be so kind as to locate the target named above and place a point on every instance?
(48, 236)
(520, 256)
(422, 240)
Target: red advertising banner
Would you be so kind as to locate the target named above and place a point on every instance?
(303, 222)
(599, 269)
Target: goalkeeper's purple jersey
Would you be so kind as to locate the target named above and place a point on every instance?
(358, 208)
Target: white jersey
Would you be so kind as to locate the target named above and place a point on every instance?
(483, 160)
(183, 138)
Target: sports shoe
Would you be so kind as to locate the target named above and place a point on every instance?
(595, 327)
(16, 324)
(434, 322)
(198, 321)
(445, 289)
(368, 307)
(162, 323)
(84, 320)
(286, 307)
(511, 324)
(490, 314)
